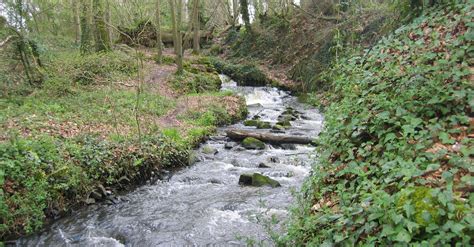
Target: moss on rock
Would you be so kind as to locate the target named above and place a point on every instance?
(284, 123)
(257, 180)
(246, 74)
(258, 124)
(253, 143)
(251, 122)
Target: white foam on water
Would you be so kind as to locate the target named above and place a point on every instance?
(103, 241)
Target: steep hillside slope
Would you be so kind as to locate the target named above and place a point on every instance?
(396, 153)
(299, 47)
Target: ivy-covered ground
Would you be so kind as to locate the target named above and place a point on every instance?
(395, 162)
(85, 129)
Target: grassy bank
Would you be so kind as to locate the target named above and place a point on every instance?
(87, 128)
(395, 162)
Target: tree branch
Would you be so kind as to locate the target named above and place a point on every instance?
(321, 17)
(4, 42)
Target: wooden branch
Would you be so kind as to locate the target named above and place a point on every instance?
(268, 137)
(4, 42)
(321, 17)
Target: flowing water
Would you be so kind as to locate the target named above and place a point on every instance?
(203, 204)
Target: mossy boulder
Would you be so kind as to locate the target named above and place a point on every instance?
(258, 124)
(257, 180)
(286, 117)
(244, 74)
(284, 123)
(263, 125)
(251, 122)
(278, 127)
(253, 143)
(209, 150)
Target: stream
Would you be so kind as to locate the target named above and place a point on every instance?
(203, 204)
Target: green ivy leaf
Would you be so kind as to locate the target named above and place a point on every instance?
(403, 236)
(445, 139)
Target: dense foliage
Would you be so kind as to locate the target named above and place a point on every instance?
(396, 153)
(44, 176)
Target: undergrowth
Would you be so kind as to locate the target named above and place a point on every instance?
(78, 131)
(199, 76)
(304, 45)
(46, 175)
(396, 154)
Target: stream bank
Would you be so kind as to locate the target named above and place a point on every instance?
(204, 204)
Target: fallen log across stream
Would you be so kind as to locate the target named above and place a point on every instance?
(239, 135)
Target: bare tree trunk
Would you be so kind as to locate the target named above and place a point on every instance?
(102, 39)
(159, 43)
(179, 14)
(77, 20)
(108, 20)
(196, 26)
(86, 44)
(177, 35)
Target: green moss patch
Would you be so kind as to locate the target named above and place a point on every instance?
(258, 180)
(252, 143)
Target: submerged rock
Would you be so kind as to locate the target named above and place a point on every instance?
(230, 145)
(288, 146)
(214, 181)
(263, 125)
(235, 162)
(209, 150)
(274, 159)
(193, 158)
(253, 143)
(284, 123)
(257, 123)
(263, 165)
(251, 122)
(257, 180)
(286, 117)
(278, 127)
